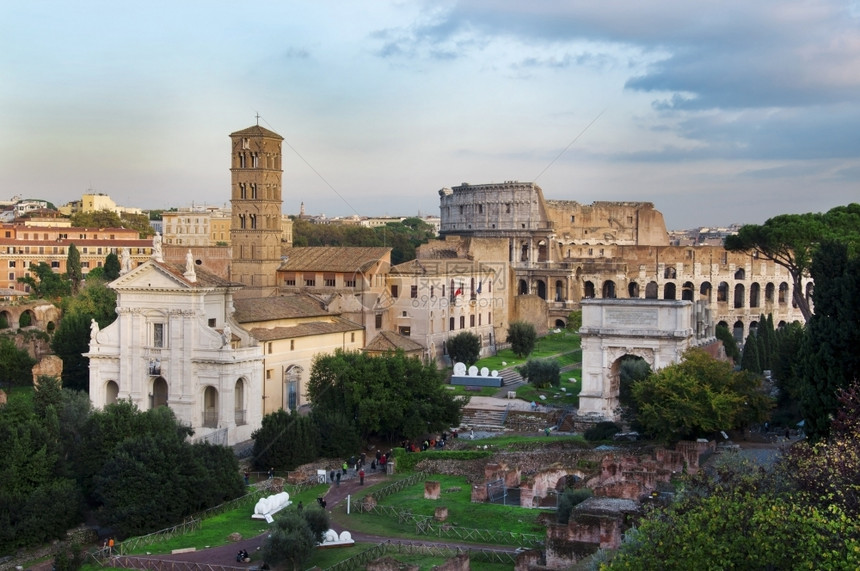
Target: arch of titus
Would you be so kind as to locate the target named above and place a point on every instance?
(658, 331)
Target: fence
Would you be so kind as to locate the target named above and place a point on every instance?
(161, 565)
(361, 560)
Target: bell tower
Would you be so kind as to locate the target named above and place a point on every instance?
(255, 226)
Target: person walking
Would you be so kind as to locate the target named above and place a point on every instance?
(361, 477)
(337, 477)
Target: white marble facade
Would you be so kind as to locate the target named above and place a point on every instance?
(174, 344)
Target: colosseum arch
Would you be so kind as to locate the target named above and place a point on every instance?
(633, 290)
(657, 331)
(669, 291)
(609, 289)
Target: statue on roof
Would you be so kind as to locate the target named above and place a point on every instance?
(125, 262)
(190, 274)
(157, 254)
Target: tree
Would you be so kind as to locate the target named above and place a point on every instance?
(722, 333)
(290, 542)
(574, 321)
(830, 352)
(285, 440)
(73, 267)
(522, 337)
(541, 372)
(791, 239)
(382, 393)
(110, 219)
(16, 365)
(750, 359)
(697, 397)
(49, 285)
(338, 435)
(465, 347)
(111, 267)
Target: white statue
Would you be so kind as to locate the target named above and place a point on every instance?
(190, 274)
(156, 248)
(226, 335)
(125, 262)
(94, 329)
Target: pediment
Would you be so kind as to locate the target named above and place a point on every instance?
(150, 275)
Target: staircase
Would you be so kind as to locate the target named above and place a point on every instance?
(483, 419)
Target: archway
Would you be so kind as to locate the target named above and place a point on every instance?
(739, 295)
(629, 369)
(210, 407)
(560, 324)
(111, 392)
(755, 292)
(26, 319)
(669, 291)
(670, 273)
(292, 379)
(705, 290)
(740, 274)
(523, 287)
(589, 290)
(609, 289)
(542, 257)
(541, 289)
(738, 332)
(633, 290)
(159, 392)
(768, 292)
(723, 292)
(783, 293)
(239, 402)
(688, 291)
(651, 290)
(5, 319)
(559, 290)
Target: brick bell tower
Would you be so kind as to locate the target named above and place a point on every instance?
(255, 227)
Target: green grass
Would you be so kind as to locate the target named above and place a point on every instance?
(456, 496)
(519, 442)
(460, 390)
(550, 345)
(554, 395)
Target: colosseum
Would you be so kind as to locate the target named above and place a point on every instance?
(561, 251)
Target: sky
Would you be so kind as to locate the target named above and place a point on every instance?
(715, 111)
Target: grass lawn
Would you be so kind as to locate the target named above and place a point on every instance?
(456, 496)
(554, 395)
(547, 346)
(520, 442)
(460, 390)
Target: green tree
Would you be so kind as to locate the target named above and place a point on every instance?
(465, 347)
(791, 239)
(383, 392)
(49, 285)
(541, 372)
(722, 333)
(574, 321)
(830, 352)
(750, 358)
(73, 267)
(338, 435)
(111, 267)
(290, 542)
(697, 397)
(285, 441)
(522, 337)
(110, 219)
(16, 365)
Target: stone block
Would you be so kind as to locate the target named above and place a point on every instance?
(441, 513)
(432, 490)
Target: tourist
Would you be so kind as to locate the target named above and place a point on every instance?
(271, 473)
(361, 476)
(337, 476)
(345, 468)
(247, 478)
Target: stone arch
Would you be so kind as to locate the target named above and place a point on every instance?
(27, 318)
(810, 289)
(292, 388)
(705, 291)
(159, 392)
(633, 290)
(738, 331)
(522, 287)
(560, 324)
(541, 289)
(755, 294)
(651, 290)
(688, 291)
(559, 290)
(542, 251)
(723, 324)
(753, 327)
(723, 292)
(588, 291)
(669, 291)
(740, 274)
(239, 413)
(608, 290)
(783, 293)
(50, 327)
(768, 292)
(111, 392)
(670, 273)
(210, 407)
(5, 319)
(740, 291)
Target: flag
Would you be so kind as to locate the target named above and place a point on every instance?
(479, 287)
(458, 292)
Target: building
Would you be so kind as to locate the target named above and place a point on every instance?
(562, 251)
(293, 329)
(196, 226)
(175, 343)
(256, 231)
(22, 246)
(96, 202)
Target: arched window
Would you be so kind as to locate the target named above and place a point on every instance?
(669, 273)
(559, 290)
(609, 289)
(158, 397)
(783, 293)
(633, 290)
(651, 290)
(739, 295)
(740, 274)
(768, 293)
(588, 290)
(738, 331)
(722, 292)
(705, 290)
(688, 291)
(669, 291)
(239, 403)
(523, 288)
(541, 289)
(111, 392)
(210, 407)
(755, 293)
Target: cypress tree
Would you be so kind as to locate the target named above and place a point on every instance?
(73, 267)
(750, 358)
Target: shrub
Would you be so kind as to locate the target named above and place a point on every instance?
(541, 372)
(602, 431)
(522, 337)
(570, 498)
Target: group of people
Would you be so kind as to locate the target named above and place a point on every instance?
(242, 556)
(428, 443)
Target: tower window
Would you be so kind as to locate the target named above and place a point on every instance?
(246, 143)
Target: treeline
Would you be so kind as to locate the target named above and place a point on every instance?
(402, 237)
(131, 472)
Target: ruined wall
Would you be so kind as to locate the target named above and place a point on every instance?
(600, 223)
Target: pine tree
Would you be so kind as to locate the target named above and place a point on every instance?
(73, 268)
(750, 358)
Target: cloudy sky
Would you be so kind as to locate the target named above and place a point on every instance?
(715, 111)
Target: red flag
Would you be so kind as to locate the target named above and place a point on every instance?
(458, 292)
